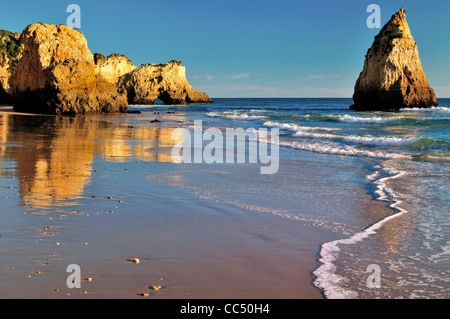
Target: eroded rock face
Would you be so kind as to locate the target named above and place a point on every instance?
(52, 71)
(56, 75)
(112, 67)
(164, 81)
(10, 52)
(392, 77)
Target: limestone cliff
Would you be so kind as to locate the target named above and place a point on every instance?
(392, 77)
(164, 81)
(56, 74)
(112, 67)
(49, 69)
(10, 53)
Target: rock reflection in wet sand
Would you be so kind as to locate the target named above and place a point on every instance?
(54, 155)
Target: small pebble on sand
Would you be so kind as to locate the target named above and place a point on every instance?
(156, 287)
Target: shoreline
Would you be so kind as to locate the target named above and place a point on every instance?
(326, 278)
(203, 241)
(200, 249)
(9, 109)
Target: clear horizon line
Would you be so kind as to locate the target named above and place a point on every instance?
(279, 97)
(290, 97)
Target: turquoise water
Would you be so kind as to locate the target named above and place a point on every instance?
(407, 156)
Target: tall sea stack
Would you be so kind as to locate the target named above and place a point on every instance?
(392, 77)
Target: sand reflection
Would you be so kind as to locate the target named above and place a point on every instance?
(142, 143)
(54, 156)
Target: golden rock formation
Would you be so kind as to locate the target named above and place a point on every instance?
(392, 77)
(112, 67)
(164, 81)
(48, 69)
(56, 75)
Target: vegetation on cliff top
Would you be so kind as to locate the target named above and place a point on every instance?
(175, 62)
(10, 48)
(100, 58)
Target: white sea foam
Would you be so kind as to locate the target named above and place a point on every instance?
(373, 176)
(258, 111)
(439, 109)
(372, 140)
(235, 115)
(298, 128)
(245, 117)
(326, 278)
(355, 119)
(340, 149)
(302, 131)
(445, 253)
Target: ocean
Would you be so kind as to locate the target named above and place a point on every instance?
(400, 159)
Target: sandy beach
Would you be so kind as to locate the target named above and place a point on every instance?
(97, 192)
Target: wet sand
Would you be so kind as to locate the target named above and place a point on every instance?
(97, 192)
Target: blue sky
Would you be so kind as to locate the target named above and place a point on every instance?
(250, 48)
